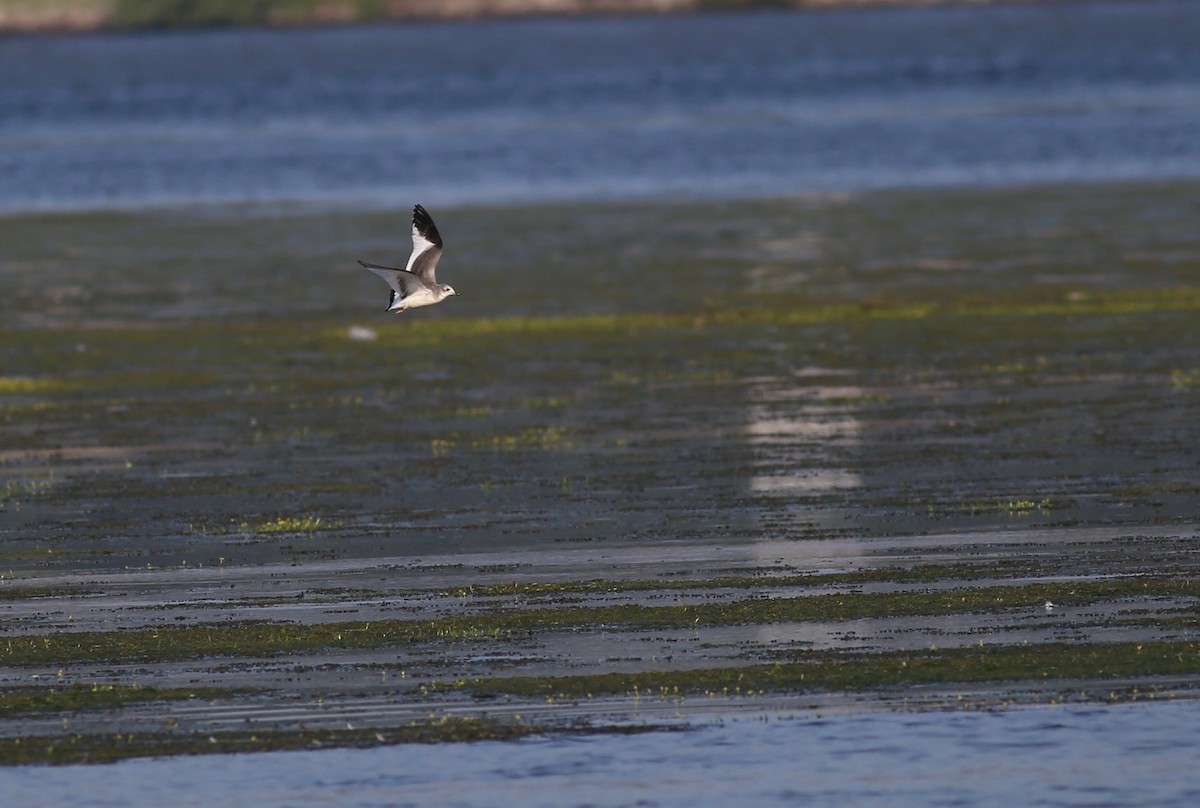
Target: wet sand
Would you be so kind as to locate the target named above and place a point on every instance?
(654, 442)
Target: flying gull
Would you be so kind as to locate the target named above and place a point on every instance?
(415, 285)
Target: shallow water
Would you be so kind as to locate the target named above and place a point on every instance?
(901, 379)
(1136, 754)
(993, 386)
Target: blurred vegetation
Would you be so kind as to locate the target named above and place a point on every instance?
(86, 14)
(163, 13)
(189, 13)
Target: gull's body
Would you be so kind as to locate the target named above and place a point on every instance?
(416, 285)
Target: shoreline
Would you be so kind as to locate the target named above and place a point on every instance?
(340, 205)
(84, 16)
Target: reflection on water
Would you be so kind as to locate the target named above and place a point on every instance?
(796, 432)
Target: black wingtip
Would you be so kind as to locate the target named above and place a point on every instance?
(423, 222)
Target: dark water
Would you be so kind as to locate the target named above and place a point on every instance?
(731, 104)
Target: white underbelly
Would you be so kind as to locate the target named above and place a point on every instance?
(416, 300)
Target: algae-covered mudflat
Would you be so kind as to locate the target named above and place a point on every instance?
(918, 447)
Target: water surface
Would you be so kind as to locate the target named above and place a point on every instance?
(706, 105)
(1139, 754)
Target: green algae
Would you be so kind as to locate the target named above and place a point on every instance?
(107, 748)
(796, 313)
(293, 524)
(1074, 662)
(23, 385)
(32, 592)
(256, 639)
(1185, 379)
(98, 696)
(235, 344)
(919, 573)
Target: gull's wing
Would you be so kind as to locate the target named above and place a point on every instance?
(427, 247)
(403, 282)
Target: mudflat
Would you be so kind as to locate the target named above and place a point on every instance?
(918, 447)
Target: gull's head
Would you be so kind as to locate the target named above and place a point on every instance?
(448, 290)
